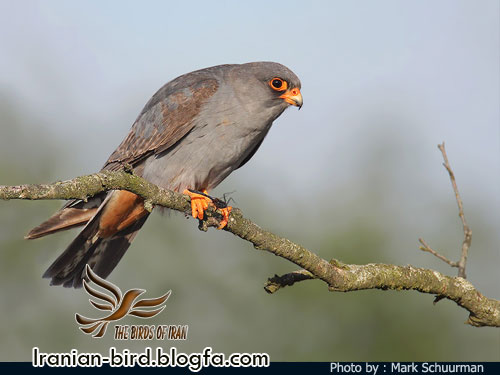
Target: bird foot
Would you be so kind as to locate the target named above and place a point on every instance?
(225, 216)
(200, 201)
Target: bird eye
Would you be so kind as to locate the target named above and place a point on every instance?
(278, 84)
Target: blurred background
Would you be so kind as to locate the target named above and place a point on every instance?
(355, 175)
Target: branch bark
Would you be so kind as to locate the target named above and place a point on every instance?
(338, 276)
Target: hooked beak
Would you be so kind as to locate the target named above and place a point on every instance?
(293, 97)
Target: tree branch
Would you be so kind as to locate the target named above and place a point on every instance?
(339, 277)
(274, 283)
(467, 231)
(426, 247)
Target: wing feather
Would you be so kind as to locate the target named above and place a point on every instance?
(166, 119)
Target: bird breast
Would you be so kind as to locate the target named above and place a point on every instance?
(224, 134)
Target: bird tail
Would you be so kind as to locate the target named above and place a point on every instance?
(73, 214)
(102, 242)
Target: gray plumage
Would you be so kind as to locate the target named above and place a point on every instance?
(192, 134)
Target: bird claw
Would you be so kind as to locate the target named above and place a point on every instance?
(200, 201)
(225, 216)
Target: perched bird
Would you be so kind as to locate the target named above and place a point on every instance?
(190, 136)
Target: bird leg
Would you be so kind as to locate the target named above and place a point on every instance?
(200, 200)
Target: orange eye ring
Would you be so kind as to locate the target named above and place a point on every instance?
(278, 84)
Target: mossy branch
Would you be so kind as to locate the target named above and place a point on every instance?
(338, 276)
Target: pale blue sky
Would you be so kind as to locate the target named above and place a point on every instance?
(428, 68)
(383, 82)
(374, 74)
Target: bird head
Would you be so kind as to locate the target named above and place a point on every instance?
(267, 82)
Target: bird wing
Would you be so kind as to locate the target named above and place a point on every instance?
(165, 119)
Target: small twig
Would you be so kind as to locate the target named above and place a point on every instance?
(467, 231)
(277, 282)
(429, 249)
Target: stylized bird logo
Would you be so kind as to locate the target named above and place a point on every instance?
(120, 306)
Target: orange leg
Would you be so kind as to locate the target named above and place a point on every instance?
(225, 216)
(199, 203)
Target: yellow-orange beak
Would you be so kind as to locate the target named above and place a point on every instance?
(293, 97)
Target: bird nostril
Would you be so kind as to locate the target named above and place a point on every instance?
(295, 91)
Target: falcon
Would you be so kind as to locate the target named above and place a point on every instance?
(189, 137)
